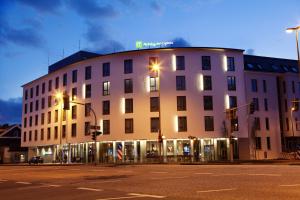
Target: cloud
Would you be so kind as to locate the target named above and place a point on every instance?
(180, 42)
(49, 6)
(10, 110)
(90, 9)
(250, 51)
(109, 46)
(95, 33)
(156, 7)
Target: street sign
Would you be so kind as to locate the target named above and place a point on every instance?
(94, 127)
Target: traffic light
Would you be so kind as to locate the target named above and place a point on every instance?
(66, 101)
(94, 135)
(295, 105)
(98, 133)
(251, 108)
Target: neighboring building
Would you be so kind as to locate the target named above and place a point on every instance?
(10, 145)
(196, 86)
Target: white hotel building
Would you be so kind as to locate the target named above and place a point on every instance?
(196, 86)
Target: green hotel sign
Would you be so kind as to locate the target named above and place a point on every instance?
(141, 44)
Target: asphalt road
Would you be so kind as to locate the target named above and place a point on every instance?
(143, 182)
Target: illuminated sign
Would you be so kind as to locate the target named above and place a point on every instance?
(141, 44)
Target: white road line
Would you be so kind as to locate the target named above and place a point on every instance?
(228, 174)
(126, 171)
(203, 173)
(292, 185)
(159, 172)
(219, 190)
(3, 180)
(90, 189)
(264, 174)
(51, 185)
(24, 183)
(147, 195)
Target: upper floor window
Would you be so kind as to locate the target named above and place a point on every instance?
(267, 123)
(268, 143)
(154, 104)
(56, 82)
(36, 105)
(181, 103)
(129, 125)
(106, 88)
(49, 117)
(207, 83)
(257, 123)
(31, 92)
(88, 91)
(74, 93)
(49, 101)
(25, 108)
(284, 87)
(256, 104)
(49, 85)
(88, 73)
(232, 101)
(43, 103)
(106, 69)
(254, 85)
(128, 86)
(208, 102)
(128, 105)
(56, 116)
(154, 84)
(87, 128)
(265, 86)
(65, 79)
(182, 124)
(266, 104)
(154, 124)
(206, 63)
(180, 82)
(26, 94)
(106, 127)
(55, 132)
(48, 133)
(230, 64)
(106, 107)
(64, 131)
(209, 123)
(87, 109)
(74, 130)
(31, 107)
(74, 112)
(43, 88)
(74, 76)
(180, 63)
(293, 87)
(231, 83)
(37, 90)
(128, 66)
(258, 142)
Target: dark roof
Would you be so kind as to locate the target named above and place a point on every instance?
(268, 64)
(76, 57)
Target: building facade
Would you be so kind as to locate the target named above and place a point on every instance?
(191, 94)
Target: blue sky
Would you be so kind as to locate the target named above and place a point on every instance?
(33, 30)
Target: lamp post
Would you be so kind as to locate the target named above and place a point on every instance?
(58, 97)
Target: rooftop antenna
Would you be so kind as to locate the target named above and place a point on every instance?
(48, 58)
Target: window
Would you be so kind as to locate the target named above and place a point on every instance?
(106, 69)
(42, 118)
(49, 85)
(180, 64)
(43, 103)
(207, 83)
(30, 121)
(268, 143)
(49, 101)
(181, 103)
(154, 104)
(25, 122)
(253, 85)
(88, 73)
(154, 84)
(256, 104)
(31, 107)
(128, 86)
(65, 79)
(208, 102)
(106, 127)
(36, 105)
(258, 142)
(25, 108)
(26, 94)
(88, 91)
(128, 105)
(129, 125)
(128, 66)
(266, 104)
(42, 134)
(106, 87)
(49, 117)
(55, 132)
(293, 87)
(232, 101)
(74, 76)
(74, 112)
(43, 88)
(30, 135)
(283, 87)
(182, 124)
(87, 130)
(36, 120)
(154, 124)
(234, 124)
(231, 83)
(257, 123)
(64, 115)
(24, 137)
(287, 124)
(37, 90)
(230, 64)
(74, 93)
(297, 124)
(206, 63)
(48, 133)
(74, 127)
(267, 123)
(209, 123)
(285, 105)
(105, 107)
(56, 82)
(56, 116)
(31, 92)
(64, 131)
(265, 86)
(87, 109)
(180, 82)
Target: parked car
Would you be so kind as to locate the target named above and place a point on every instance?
(36, 160)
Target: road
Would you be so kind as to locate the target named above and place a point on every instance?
(144, 182)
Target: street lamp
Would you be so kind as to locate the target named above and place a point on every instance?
(59, 98)
(295, 29)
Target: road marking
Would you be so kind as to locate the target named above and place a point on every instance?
(175, 177)
(219, 190)
(74, 169)
(126, 171)
(204, 173)
(24, 183)
(90, 189)
(264, 174)
(228, 174)
(159, 172)
(292, 185)
(51, 185)
(3, 180)
(135, 195)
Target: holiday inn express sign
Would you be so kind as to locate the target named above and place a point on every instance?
(141, 44)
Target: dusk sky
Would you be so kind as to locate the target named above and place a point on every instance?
(33, 30)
